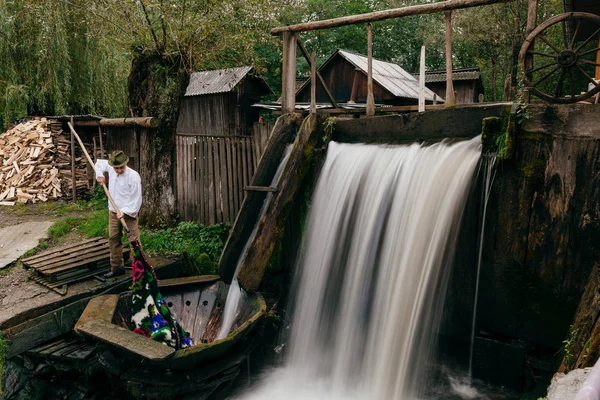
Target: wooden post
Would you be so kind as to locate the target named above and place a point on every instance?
(435, 99)
(598, 62)
(450, 99)
(480, 98)
(422, 81)
(370, 98)
(95, 158)
(528, 61)
(323, 84)
(73, 177)
(418, 9)
(313, 83)
(354, 86)
(101, 145)
(288, 74)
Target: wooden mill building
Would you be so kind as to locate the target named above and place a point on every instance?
(345, 74)
(218, 143)
(467, 84)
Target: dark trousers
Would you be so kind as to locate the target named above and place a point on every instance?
(115, 232)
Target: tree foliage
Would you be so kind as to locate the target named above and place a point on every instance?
(75, 56)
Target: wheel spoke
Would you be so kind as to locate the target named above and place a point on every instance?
(588, 52)
(552, 46)
(559, 84)
(531, 71)
(541, 54)
(587, 40)
(572, 44)
(587, 76)
(543, 78)
(563, 25)
(588, 62)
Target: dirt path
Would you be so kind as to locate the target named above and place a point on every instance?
(17, 293)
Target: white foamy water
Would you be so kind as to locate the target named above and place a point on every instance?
(373, 272)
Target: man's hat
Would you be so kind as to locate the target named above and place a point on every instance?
(118, 159)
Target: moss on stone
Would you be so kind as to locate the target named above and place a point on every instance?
(527, 135)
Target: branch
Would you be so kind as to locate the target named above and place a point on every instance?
(141, 2)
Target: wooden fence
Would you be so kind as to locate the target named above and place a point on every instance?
(212, 172)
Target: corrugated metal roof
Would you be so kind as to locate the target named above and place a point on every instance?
(216, 81)
(464, 74)
(390, 76)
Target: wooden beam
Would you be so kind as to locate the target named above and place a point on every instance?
(323, 84)
(370, 98)
(73, 176)
(288, 73)
(450, 98)
(422, 81)
(101, 144)
(354, 87)
(385, 14)
(528, 61)
(145, 122)
(313, 83)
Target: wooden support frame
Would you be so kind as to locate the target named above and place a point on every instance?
(323, 84)
(73, 176)
(288, 76)
(450, 97)
(370, 97)
(422, 81)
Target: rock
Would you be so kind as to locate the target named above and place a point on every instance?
(14, 379)
(565, 387)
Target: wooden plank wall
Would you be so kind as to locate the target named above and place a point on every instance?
(212, 172)
(260, 135)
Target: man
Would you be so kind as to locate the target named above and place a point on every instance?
(125, 187)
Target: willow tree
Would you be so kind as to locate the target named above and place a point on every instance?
(53, 64)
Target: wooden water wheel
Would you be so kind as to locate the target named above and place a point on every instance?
(560, 58)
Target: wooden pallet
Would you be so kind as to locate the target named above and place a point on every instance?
(57, 268)
(65, 348)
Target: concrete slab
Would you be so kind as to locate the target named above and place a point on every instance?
(17, 239)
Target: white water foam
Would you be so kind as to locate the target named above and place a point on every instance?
(373, 272)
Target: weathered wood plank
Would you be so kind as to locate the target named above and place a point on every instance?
(268, 234)
(211, 184)
(232, 192)
(101, 308)
(44, 328)
(126, 340)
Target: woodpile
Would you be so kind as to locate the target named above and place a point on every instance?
(35, 164)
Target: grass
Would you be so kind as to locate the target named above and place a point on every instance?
(201, 244)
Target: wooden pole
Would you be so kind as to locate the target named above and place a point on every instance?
(144, 122)
(370, 98)
(313, 83)
(450, 99)
(354, 86)
(528, 62)
(323, 84)
(422, 81)
(101, 145)
(288, 73)
(73, 177)
(385, 14)
(598, 62)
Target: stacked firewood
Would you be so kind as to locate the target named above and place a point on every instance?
(35, 164)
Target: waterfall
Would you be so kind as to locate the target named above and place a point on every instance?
(373, 270)
(235, 293)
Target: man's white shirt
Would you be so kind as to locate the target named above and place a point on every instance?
(125, 189)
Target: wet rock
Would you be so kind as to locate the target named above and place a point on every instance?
(565, 387)
(34, 390)
(14, 379)
(44, 371)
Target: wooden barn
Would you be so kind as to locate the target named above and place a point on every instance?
(218, 143)
(467, 84)
(346, 76)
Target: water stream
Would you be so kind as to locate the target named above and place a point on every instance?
(236, 294)
(372, 275)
